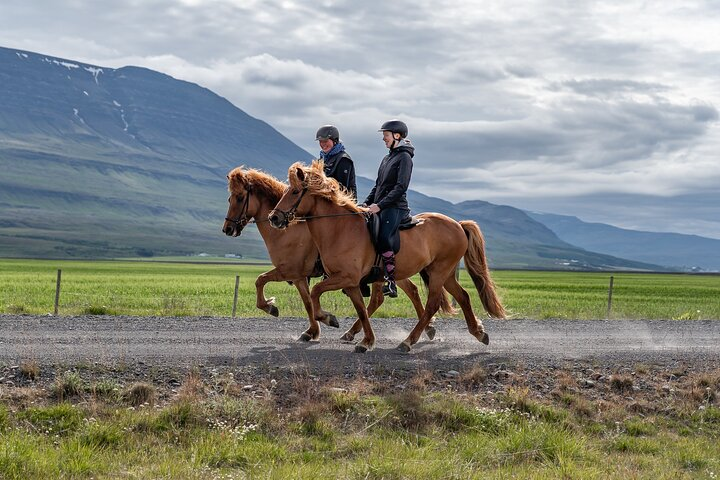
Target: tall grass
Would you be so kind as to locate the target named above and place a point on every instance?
(418, 435)
(170, 289)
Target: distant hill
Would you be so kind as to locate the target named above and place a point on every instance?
(101, 162)
(686, 252)
(98, 162)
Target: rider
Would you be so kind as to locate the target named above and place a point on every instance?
(388, 197)
(338, 163)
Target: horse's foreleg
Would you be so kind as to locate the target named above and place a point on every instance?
(313, 332)
(411, 291)
(329, 284)
(267, 305)
(368, 341)
(376, 299)
(475, 326)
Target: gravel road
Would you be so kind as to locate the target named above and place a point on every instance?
(206, 341)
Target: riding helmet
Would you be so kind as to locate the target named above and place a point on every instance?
(395, 126)
(328, 132)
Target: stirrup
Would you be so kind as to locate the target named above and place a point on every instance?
(390, 289)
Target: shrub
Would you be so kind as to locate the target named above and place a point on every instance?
(140, 394)
(69, 384)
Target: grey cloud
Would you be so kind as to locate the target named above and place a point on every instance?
(517, 101)
(604, 87)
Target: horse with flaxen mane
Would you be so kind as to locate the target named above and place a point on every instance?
(292, 252)
(433, 248)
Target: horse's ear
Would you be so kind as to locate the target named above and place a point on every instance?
(300, 174)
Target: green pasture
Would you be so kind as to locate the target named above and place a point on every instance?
(342, 434)
(191, 289)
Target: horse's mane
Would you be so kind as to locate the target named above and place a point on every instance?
(318, 184)
(257, 181)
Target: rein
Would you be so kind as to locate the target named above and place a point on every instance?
(310, 217)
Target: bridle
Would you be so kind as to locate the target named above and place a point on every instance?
(242, 220)
(289, 215)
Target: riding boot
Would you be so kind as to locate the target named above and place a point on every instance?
(389, 289)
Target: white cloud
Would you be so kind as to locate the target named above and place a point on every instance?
(506, 101)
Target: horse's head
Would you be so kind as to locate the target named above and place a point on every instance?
(241, 207)
(290, 203)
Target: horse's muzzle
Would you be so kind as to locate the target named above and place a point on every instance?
(231, 230)
(277, 220)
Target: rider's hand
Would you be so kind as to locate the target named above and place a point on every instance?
(374, 208)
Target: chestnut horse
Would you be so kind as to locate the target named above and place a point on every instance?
(292, 252)
(433, 248)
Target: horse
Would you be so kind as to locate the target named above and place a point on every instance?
(432, 248)
(253, 194)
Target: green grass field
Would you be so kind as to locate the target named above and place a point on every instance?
(360, 431)
(178, 289)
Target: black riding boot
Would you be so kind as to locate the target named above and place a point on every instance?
(389, 289)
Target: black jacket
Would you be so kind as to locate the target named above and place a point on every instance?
(341, 167)
(393, 178)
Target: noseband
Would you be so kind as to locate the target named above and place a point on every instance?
(288, 216)
(241, 221)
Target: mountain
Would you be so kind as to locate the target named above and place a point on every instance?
(99, 162)
(686, 252)
(120, 162)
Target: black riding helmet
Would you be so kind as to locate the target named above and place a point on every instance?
(328, 132)
(395, 126)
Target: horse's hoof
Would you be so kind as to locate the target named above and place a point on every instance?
(305, 337)
(273, 310)
(430, 332)
(332, 321)
(484, 338)
(360, 349)
(404, 347)
(347, 337)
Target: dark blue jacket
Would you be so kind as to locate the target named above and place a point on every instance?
(341, 167)
(393, 178)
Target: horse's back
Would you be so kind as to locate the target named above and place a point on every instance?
(435, 236)
(430, 222)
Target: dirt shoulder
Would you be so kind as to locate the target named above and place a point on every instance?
(651, 358)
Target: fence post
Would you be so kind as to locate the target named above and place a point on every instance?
(237, 284)
(610, 291)
(57, 292)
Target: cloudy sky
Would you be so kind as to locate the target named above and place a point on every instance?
(603, 110)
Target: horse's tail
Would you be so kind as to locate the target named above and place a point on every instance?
(445, 304)
(477, 267)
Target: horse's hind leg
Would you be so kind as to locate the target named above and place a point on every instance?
(267, 305)
(431, 307)
(411, 291)
(376, 299)
(475, 326)
(313, 332)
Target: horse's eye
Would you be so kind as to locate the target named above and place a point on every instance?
(238, 198)
(295, 192)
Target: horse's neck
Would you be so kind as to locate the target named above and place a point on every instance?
(325, 230)
(261, 216)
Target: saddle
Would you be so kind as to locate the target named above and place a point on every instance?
(377, 271)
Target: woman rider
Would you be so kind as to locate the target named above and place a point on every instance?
(338, 163)
(388, 199)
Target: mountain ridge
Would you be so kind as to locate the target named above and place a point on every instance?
(682, 251)
(101, 162)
